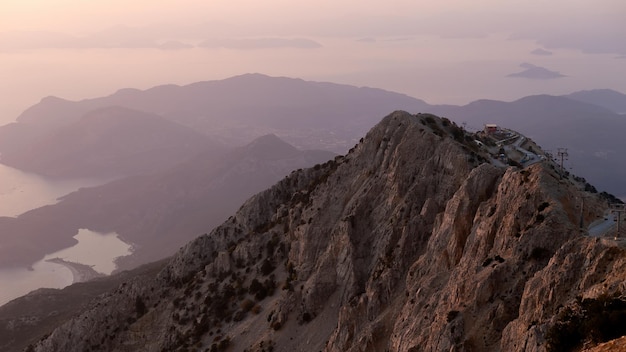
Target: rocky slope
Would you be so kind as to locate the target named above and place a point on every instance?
(411, 242)
(556, 122)
(25, 319)
(157, 213)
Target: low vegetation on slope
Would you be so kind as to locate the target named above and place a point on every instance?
(410, 242)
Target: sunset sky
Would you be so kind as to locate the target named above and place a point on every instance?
(441, 51)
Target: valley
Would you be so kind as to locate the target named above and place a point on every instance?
(382, 233)
(165, 196)
(335, 176)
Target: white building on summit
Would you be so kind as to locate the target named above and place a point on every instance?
(491, 128)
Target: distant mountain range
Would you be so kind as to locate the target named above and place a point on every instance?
(176, 142)
(407, 243)
(308, 115)
(206, 148)
(606, 98)
(110, 142)
(159, 212)
(592, 134)
(234, 111)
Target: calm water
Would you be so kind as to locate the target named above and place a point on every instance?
(21, 191)
(95, 249)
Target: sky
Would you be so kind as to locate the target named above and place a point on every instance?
(445, 51)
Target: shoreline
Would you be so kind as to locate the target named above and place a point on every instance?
(80, 272)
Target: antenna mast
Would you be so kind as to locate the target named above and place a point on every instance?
(618, 209)
(562, 154)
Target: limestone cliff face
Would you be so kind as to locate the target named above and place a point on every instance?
(408, 243)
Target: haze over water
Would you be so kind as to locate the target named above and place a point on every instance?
(436, 70)
(93, 249)
(21, 191)
(443, 52)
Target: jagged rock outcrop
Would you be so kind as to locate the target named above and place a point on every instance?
(407, 243)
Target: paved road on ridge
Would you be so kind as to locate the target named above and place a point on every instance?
(601, 228)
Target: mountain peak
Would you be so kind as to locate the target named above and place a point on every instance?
(346, 254)
(270, 146)
(606, 98)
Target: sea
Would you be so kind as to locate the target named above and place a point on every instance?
(22, 191)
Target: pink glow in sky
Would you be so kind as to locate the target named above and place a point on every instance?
(447, 51)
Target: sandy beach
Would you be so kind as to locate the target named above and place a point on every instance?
(80, 272)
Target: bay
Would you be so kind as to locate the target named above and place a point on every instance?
(22, 191)
(93, 249)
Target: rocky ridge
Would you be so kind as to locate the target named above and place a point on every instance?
(410, 242)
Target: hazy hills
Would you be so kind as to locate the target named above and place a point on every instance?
(591, 133)
(190, 184)
(384, 248)
(136, 132)
(110, 142)
(236, 110)
(173, 124)
(158, 212)
(607, 98)
(314, 115)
